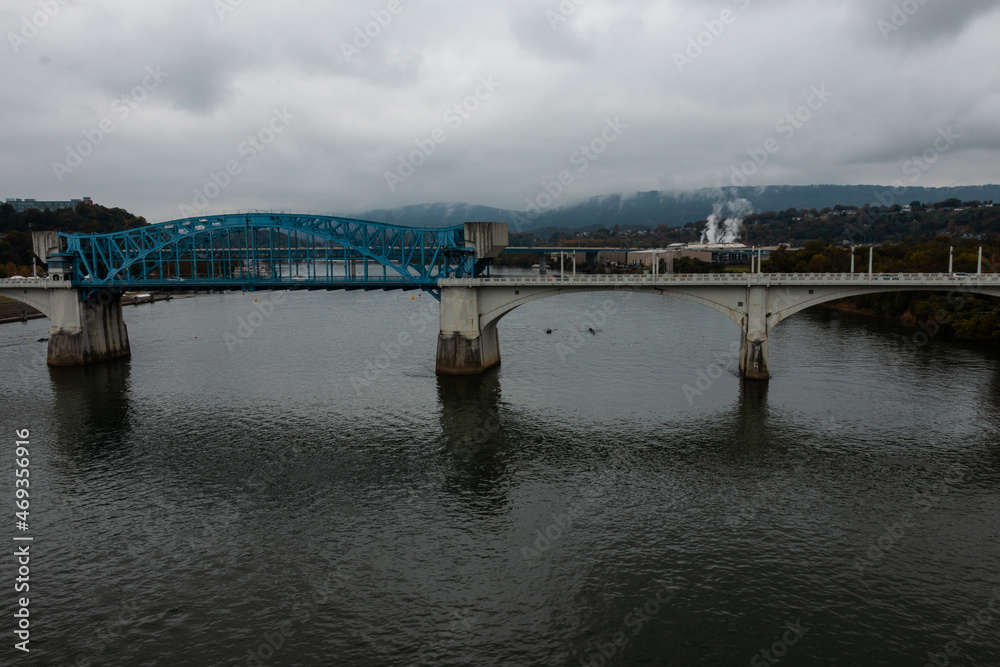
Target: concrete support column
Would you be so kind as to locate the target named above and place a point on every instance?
(754, 353)
(86, 332)
(464, 347)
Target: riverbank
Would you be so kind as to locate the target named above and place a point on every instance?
(907, 318)
(15, 311)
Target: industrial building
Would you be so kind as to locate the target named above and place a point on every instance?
(712, 253)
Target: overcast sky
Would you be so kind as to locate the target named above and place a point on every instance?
(138, 104)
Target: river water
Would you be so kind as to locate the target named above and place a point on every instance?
(296, 487)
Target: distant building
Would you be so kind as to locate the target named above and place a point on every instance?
(719, 253)
(613, 257)
(712, 253)
(22, 205)
(647, 258)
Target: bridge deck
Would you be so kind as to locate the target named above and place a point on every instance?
(944, 280)
(257, 283)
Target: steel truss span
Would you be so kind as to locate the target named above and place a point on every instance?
(268, 251)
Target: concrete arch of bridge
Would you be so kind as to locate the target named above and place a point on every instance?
(783, 302)
(36, 298)
(497, 305)
(800, 298)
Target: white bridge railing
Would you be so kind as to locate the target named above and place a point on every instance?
(736, 279)
(35, 283)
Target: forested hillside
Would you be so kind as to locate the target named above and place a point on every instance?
(795, 227)
(88, 218)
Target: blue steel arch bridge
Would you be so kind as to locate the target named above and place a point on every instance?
(262, 250)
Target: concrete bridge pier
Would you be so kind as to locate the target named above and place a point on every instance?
(86, 332)
(82, 331)
(754, 353)
(464, 346)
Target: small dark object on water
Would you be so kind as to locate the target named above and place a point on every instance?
(548, 331)
(592, 332)
(42, 339)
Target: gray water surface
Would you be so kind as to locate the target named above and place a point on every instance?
(296, 487)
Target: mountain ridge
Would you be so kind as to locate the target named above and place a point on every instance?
(674, 208)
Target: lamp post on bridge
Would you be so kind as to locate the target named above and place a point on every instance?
(34, 270)
(951, 260)
(980, 271)
(852, 259)
(871, 260)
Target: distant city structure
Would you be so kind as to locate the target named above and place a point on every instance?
(22, 205)
(713, 253)
(719, 253)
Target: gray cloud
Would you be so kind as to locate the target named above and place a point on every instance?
(923, 22)
(700, 92)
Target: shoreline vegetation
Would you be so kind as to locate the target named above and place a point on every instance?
(941, 327)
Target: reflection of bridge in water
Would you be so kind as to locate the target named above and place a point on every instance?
(265, 251)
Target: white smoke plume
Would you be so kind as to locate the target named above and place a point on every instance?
(726, 230)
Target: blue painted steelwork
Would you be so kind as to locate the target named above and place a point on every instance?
(268, 251)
